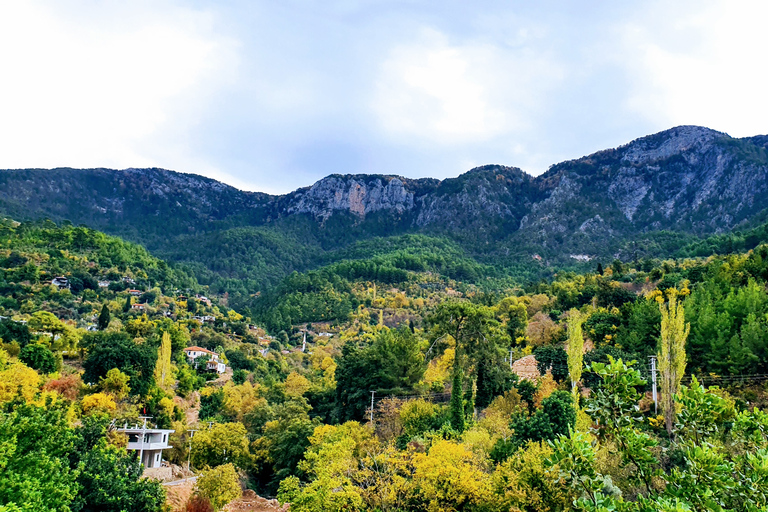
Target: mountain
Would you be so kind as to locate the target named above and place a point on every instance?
(643, 199)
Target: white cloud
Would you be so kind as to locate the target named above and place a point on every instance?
(432, 90)
(83, 87)
(705, 68)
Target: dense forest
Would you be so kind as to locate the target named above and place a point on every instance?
(389, 378)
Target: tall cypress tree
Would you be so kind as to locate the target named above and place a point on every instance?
(104, 318)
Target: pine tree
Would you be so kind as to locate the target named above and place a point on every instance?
(127, 305)
(163, 373)
(457, 417)
(575, 347)
(674, 332)
(104, 318)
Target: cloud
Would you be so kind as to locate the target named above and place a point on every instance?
(701, 66)
(433, 90)
(88, 86)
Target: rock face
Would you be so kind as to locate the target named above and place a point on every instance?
(687, 179)
(358, 195)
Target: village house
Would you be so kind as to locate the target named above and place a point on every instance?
(60, 282)
(104, 284)
(147, 443)
(135, 293)
(138, 307)
(204, 299)
(212, 358)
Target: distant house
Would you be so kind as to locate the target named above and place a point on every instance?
(203, 298)
(60, 282)
(135, 293)
(147, 443)
(212, 364)
(128, 280)
(91, 328)
(138, 307)
(104, 284)
(204, 318)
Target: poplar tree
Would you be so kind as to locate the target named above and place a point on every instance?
(575, 347)
(671, 356)
(163, 373)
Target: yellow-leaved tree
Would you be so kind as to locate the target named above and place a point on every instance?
(674, 332)
(219, 485)
(450, 478)
(575, 348)
(163, 371)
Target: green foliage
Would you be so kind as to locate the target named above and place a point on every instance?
(38, 357)
(117, 350)
(391, 364)
(35, 446)
(104, 317)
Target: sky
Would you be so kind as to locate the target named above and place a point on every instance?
(272, 96)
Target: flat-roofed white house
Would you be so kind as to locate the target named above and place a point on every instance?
(149, 443)
(213, 363)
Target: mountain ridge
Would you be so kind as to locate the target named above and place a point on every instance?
(688, 180)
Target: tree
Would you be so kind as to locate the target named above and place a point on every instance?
(674, 332)
(104, 318)
(117, 350)
(575, 348)
(115, 383)
(163, 370)
(456, 414)
(38, 357)
(221, 444)
(35, 445)
(219, 485)
(111, 481)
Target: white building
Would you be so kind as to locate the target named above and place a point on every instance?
(213, 363)
(148, 442)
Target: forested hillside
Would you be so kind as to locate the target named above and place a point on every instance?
(416, 327)
(642, 200)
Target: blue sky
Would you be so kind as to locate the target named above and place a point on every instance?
(272, 96)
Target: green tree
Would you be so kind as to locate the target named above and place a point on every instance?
(35, 446)
(111, 481)
(117, 350)
(104, 317)
(671, 356)
(38, 357)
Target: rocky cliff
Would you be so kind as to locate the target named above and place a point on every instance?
(687, 179)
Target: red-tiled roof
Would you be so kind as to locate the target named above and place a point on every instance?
(198, 349)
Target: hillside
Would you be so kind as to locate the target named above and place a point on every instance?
(641, 200)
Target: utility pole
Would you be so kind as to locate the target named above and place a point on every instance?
(372, 395)
(189, 455)
(510, 357)
(653, 381)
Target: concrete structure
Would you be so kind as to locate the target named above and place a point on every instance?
(148, 443)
